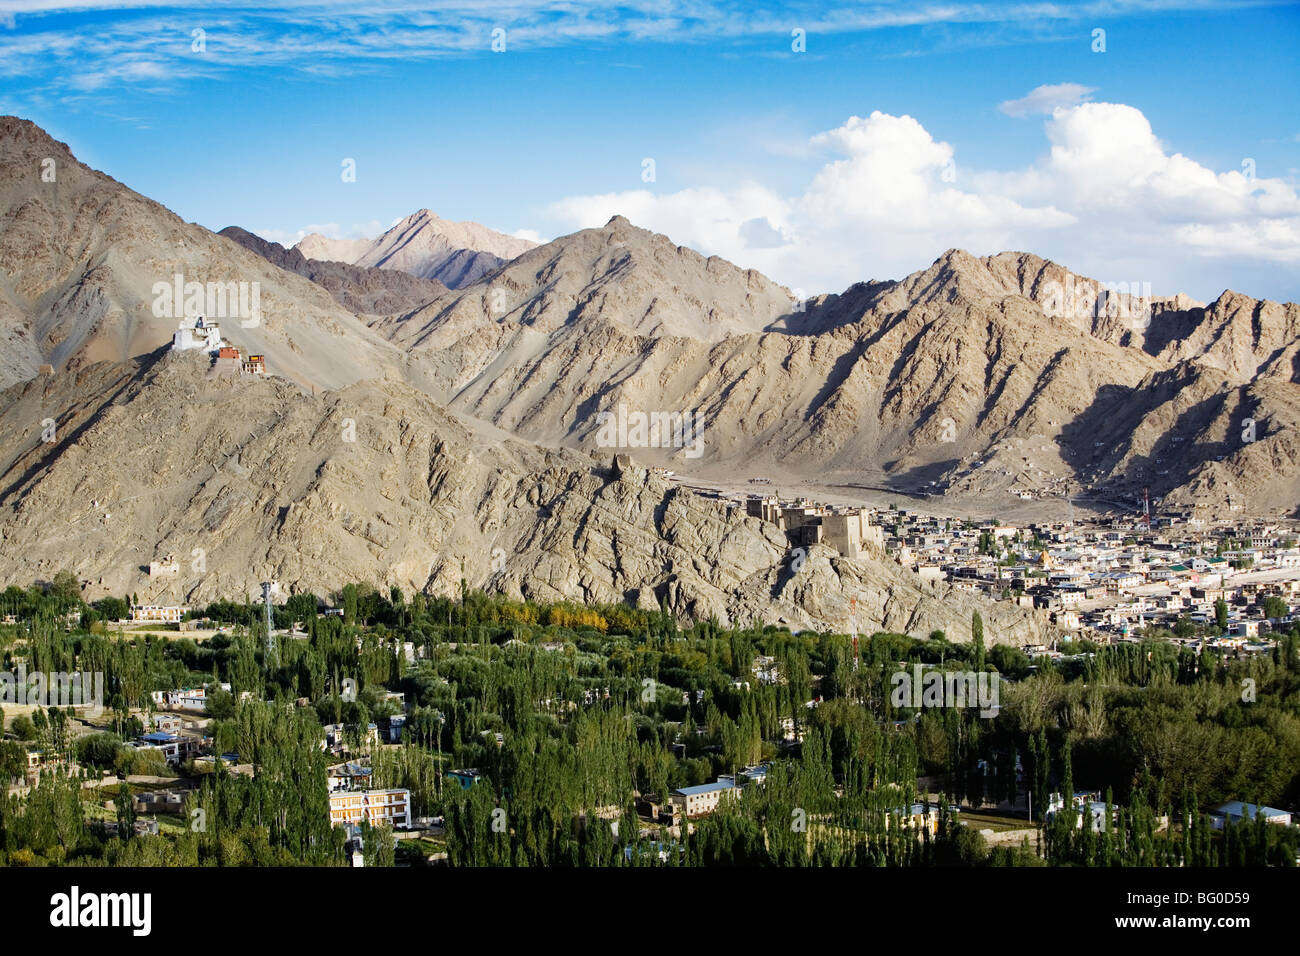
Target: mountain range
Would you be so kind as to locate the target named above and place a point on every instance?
(423, 245)
(357, 288)
(969, 376)
(410, 425)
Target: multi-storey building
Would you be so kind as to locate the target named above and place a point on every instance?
(376, 807)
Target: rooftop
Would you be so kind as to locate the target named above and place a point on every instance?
(705, 788)
(1235, 808)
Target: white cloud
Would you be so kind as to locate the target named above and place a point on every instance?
(1105, 156)
(330, 230)
(894, 174)
(758, 233)
(1046, 99)
(706, 218)
(283, 236)
(1107, 199)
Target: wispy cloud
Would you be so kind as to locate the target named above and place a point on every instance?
(1045, 99)
(65, 44)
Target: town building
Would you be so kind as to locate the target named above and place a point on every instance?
(376, 807)
(917, 816)
(175, 748)
(467, 777)
(167, 568)
(162, 801)
(391, 728)
(766, 507)
(166, 723)
(189, 698)
(705, 798)
(228, 361)
(1234, 811)
(851, 534)
(158, 613)
(350, 777)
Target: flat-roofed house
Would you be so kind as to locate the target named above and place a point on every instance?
(705, 798)
(158, 613)
(375, 807)
(174, 747)
(1235, 811)
(766, 507)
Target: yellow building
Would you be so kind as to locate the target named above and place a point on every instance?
(375, 807)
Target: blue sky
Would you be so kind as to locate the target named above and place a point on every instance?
(1173, 157)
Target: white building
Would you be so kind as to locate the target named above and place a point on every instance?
(196, 333)
(191, 698)
(703, 799)
(1236, 811)
(158, 613)
(167, 568)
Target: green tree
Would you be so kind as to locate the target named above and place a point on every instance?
(13, 761)
(98, 750)
(379, 846)
(1275, 607)
(66, 590)
(349, 602)
(112, 608)
(125, 807)
(23, 728)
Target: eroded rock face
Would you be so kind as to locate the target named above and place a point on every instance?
(245, 480)
(1048, 380)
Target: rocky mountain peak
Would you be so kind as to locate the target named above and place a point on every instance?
(20, 138)
(426, 246)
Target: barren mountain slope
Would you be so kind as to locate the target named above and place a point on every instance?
(990, 375)
(245, 480)
(80, 256)
(364, 291)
